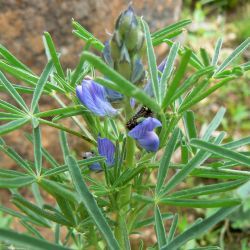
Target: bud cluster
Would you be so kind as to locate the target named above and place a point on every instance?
(126, 47)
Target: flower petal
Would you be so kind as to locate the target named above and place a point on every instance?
(93, 96)
(132, 102)
(149, 124)
(106, 149)
(113, 95)
(95, 167)
(150, 141)
(162, 65)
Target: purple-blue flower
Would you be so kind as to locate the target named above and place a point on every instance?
(106, 148)
(144, 134)
(94, 97)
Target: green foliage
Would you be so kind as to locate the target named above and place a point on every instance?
(102, 210)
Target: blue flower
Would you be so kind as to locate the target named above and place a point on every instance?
(162, 65)
(94, 97)
(144, 134)
(106, 148)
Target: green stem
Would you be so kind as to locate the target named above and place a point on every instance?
(124, 195)
(130, 143)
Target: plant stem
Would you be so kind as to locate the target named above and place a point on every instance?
(130, 143)
(124, 195)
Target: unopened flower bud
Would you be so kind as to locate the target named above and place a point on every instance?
(124, 64)
(141, 44)
(125, 21)
(115, 46)
(131, 38)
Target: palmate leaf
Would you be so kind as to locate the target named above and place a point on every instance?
(28, 241)
(198, 229)
(41, 213)
(61, 111)
(53, 187)
(234, 55)
(13, 125)
(90, 204)
(176, 80)
(191, 81)
(169, 29)
(66, 129)
(151, 220)
(159, 228)
(40, 86)
(168, 68)
(209, 189)
(217, 51)
(27, 77)
(37, 149)
(189, 124)
(173, 228)
(194, 60)
(205, 57)
(237, 143)
(7, 173)
(45, 153)
(64, 168)
(32, 230)
(15, 157)
(8, 56)
(193, 203)
(201, 203)
(12, 91)
(198, 97)
(165, 161)
(11, 108)
(196, 161)
(16, 182)
(31, 219)
(64, 145)
(208, 172)
(86, 36)
(221, 151)
(53, 54)
(161, 39)
(152, 66)
(214, 124)
(9, 116)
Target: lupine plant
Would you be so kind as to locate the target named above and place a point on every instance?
(134, 116)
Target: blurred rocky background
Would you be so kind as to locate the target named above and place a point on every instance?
(22, 23)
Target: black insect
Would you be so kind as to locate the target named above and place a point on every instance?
(143, 112)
